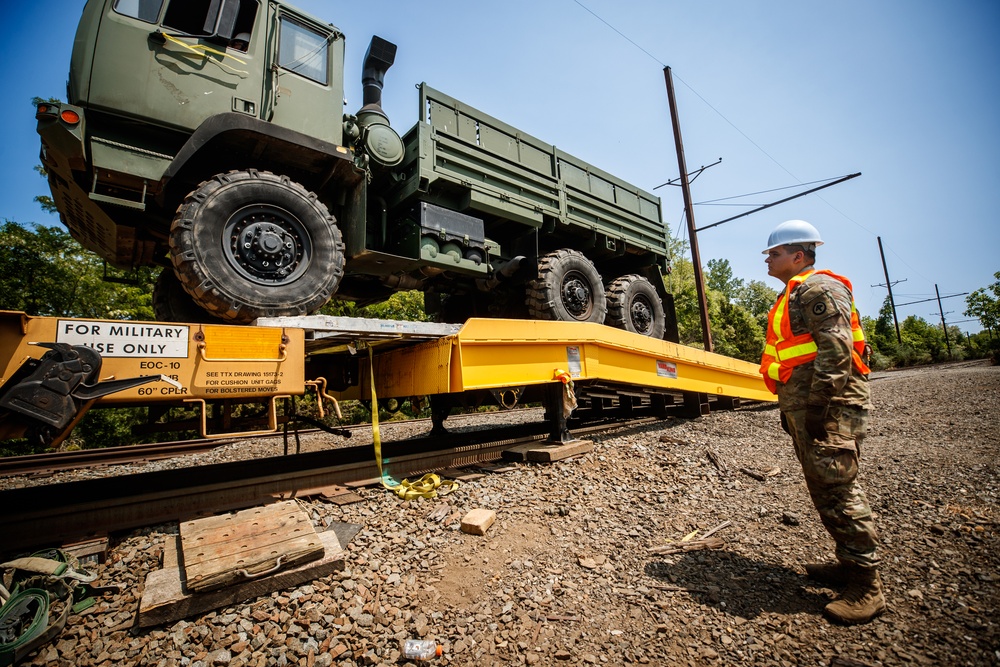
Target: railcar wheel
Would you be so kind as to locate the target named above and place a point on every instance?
(249, 244)
(568, 288)
(634, 305)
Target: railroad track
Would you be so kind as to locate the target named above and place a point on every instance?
(59, 513)
(33, 464)
(50, 462)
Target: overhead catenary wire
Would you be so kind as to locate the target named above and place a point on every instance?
(653, 57)
(761, 192)
(717, 112)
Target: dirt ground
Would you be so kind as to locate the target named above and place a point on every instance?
(566, 575)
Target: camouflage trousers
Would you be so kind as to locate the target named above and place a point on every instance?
(831, 471)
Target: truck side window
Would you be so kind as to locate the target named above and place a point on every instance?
(144, 10)
(189, 16)
(303, 51)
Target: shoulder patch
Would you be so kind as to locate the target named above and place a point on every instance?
(819, 308)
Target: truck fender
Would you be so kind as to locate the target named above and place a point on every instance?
(245, 135)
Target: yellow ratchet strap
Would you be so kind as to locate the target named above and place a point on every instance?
(203, 51)
(428, 486)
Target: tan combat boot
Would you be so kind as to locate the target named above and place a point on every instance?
(862, 600)
(831, 574)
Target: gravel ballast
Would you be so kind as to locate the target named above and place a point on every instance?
(565, 575)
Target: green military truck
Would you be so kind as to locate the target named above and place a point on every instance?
(210, 137)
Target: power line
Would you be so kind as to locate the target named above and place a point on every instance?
(626, 37)
(744, 135)
(910, 267)
(718, 113)
(688, 86)
(761, 192)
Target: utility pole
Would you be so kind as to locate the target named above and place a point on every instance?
(699, 281)
(888, 284)
(940, 310)
(943, 325)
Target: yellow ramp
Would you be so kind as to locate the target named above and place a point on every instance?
(493, 353)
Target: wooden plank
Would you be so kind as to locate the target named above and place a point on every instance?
(344, 498)
(94, 550)
(220, 550)
(324, 491)
(460, 474)
(538, 452)
(165, 599)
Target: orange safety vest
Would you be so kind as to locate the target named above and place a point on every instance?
(784, 351)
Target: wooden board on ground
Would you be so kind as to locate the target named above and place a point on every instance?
(540, 452)
(165, 599)
(339, 495)
(219, 551)
(460, 474)
(346, 498)
(93, 550)
(496, 468)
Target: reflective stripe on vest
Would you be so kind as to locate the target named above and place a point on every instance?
(784, 351)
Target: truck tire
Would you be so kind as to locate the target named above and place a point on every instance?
(249, 244)
(568, 289)
(634, 305)
(172, 304)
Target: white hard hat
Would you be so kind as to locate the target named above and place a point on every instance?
(242, 37)
(793, 232)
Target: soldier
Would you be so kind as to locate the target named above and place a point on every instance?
(240, 42)
(812, 361)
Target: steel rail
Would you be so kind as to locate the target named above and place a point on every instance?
(28, 464)
(84, 458)
(47, 515)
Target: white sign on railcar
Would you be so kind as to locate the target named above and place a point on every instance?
(573, 360)
(126, 339)
(666, 369)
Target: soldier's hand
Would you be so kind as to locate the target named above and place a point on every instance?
(784, 423)
(816, 422)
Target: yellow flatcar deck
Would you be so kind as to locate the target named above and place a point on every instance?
(54, 369)
(415, 359)
(492, 353)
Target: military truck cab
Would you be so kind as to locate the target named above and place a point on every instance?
(209, 137)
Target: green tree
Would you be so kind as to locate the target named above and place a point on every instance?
(737, 309)
(881, 332)
(757, 298)
(735, 331)
(923, 343)
(680, 283)
(720, 278)
(980, 304)
(408, 306)
(44, 271)
(47, 203)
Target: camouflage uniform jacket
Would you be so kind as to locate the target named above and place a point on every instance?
(821, 306)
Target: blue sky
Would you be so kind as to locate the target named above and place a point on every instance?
(785, 92)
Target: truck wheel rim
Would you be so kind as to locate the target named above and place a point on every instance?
(642, 316)
(576, 295)
(267, 245)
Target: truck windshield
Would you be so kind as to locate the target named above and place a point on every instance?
(303, 51)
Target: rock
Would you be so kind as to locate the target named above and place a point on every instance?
(790, 519)
(574, 546)
(478, 521)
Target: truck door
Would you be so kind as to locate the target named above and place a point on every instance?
(157, 60)
(305, 90)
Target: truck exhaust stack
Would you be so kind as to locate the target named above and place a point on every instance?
(379, 58)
